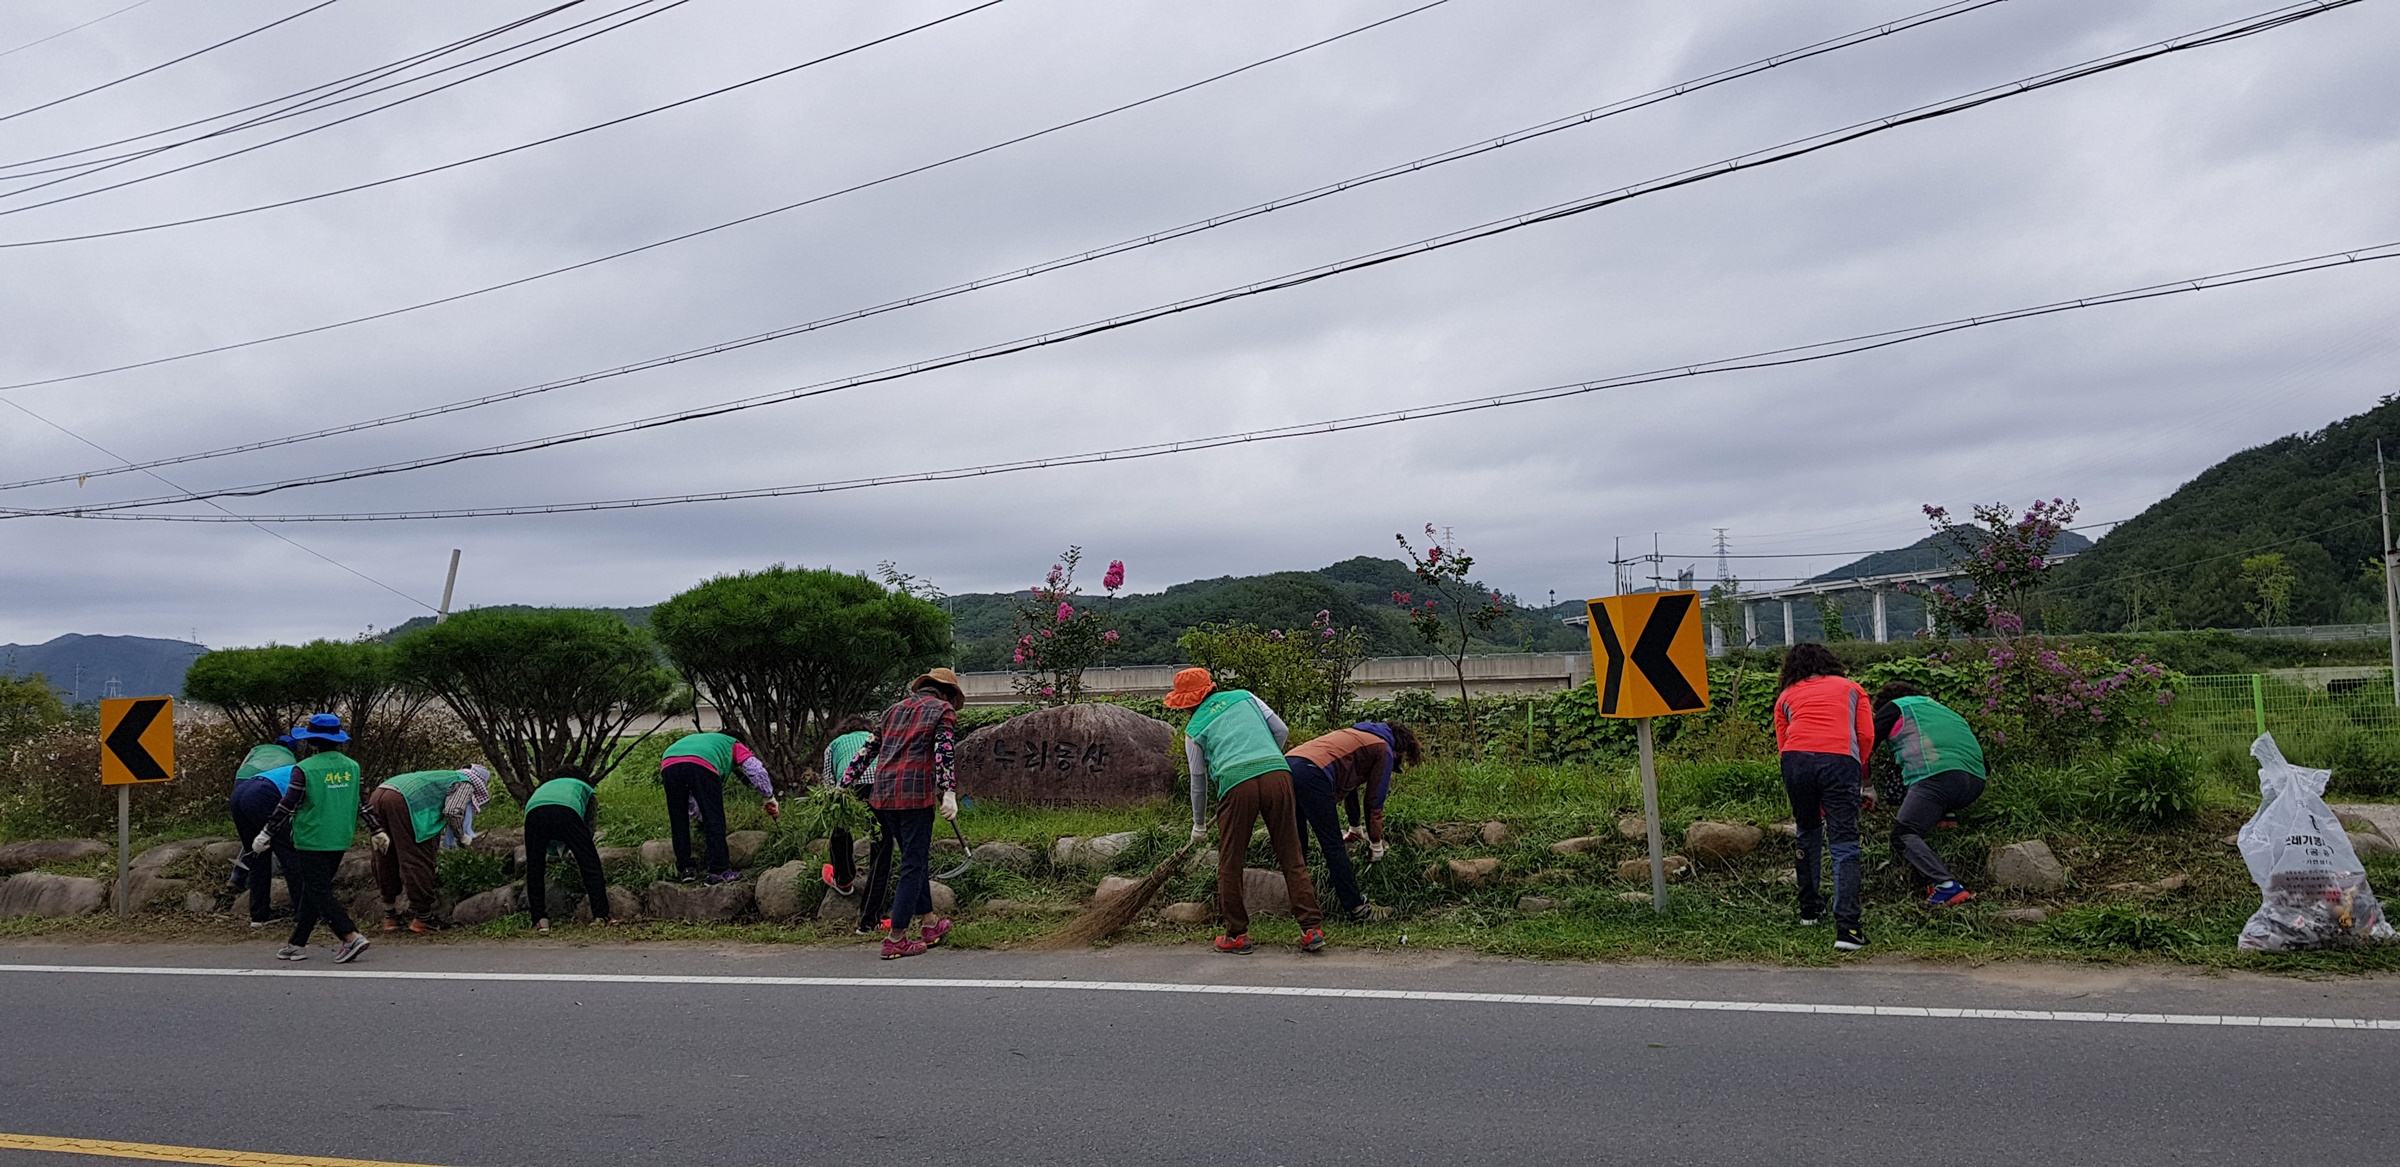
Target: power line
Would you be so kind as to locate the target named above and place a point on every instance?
(1487, 145)
(95, 166)
(1773, 358)
(164, 64)
(71, 28)
(757, 216)
(1798, 148)
(491, 154)
(311, 99)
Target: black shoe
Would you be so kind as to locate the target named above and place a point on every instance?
(1849, 938)
(688, 875)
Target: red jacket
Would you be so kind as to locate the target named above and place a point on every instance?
(1825, 715)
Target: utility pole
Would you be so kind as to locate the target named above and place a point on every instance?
(448, 586)
(2391, 600)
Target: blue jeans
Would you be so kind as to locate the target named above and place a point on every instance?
(1320, 813)
(1824, 793)
(912, 832)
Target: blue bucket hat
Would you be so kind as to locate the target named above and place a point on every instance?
(323, 727)
(285, 741)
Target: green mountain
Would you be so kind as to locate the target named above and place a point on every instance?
(2309, 497)
(81, 667)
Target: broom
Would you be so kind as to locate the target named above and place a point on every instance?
(1108, 917)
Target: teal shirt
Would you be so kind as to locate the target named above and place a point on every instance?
(1930, 738)
(573, 793)
(716, 749)
(840, 751)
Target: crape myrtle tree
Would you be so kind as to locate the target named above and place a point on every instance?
(783, 653)
(266, 691)
(1452, 611)
(540, 689)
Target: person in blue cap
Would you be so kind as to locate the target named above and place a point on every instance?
(322, 810)
(260, 783)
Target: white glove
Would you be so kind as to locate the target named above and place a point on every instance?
(383, 842)
(949, 806)
(1375, 851)
(774, 809)
(261, 843)
(1354, 835)
(1199, 834)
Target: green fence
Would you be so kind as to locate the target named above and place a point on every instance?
(2346, 723)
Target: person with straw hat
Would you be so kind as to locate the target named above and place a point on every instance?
(910, 756)
(1235, 741)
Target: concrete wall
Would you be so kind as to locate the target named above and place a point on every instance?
(1378, 679)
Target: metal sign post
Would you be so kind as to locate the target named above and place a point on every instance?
(1648, 661)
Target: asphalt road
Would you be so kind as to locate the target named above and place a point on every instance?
(492, 1073)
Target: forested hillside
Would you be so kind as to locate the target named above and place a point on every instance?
(2181, 564)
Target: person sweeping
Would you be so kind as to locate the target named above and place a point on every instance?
(421, 806)
(910, 753)
(693, 772)
(1235, 743)
(322, 811)
(1824, 732)
(563, 810)
(1942, 772)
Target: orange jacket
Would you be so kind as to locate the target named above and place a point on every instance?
(1825, 715)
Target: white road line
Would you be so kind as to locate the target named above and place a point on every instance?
(2236, 1021)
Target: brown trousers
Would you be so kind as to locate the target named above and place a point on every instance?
(1270, 796)
(409, 865)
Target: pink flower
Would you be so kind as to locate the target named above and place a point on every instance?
(1046, 632)
(1433, 554)
(1058, 574)
(1018, 656)
(1109, 636)
(1402, 598)
(1429, 605)
(1328, 634)
(1116, 575)
(1066, 611)
(1049, 691)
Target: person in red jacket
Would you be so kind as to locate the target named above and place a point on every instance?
(1825, 728)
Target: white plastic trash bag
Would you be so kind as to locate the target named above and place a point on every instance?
(2314, 894)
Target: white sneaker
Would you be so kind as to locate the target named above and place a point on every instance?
(350, 949)
(291, 952)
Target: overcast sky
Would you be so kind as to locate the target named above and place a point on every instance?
(2275, 147)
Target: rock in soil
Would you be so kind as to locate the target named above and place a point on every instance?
(167, 855)
(1113, 886)
(1187, 913)
(32, 853)
(709, 903)
(2028, 865)
(783, 891)
(490, 905)
(742, 846)
(1639, 869)
(945, 901)
(1100, 852)
(1458, 834)
(1633, 826)
(1633, 897)
(1470, 872)
(39, 893)
(1004, 855)
(1536, 905)
(1496, 835)
(145, 886)
(2367, 844)
(1719, 844)
(225, 852)
(1579, 845)
(2022, 916)
(658, 853)
(1424, 838)
(498, 842)
(1062, 850)
(358, 866)
(1264, 893)
(611, 856)
(834, 907)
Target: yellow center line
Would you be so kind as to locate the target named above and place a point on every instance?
(112, 1149)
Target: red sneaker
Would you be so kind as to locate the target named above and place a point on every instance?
(1237, 945)
(895, 947)
(934, 932)
(1312, 940)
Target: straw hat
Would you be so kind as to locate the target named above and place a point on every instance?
(945, 679)
(1192, 686)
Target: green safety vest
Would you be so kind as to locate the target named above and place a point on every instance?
(261, 759)
(840, 751)
(329, 819)
(714, 748)
(1235, 740)
(573, 793)
(1930, 738)
(425, 792)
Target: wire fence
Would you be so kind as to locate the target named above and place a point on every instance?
(2329, 723)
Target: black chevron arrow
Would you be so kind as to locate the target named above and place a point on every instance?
(125, 741)
(1650, 653)
(1614, 680)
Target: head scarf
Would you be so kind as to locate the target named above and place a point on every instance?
(479, 785)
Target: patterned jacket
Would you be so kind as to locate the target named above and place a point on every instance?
(910, 753)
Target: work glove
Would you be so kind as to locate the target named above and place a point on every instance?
(261, 843)
(949, 806)
(1866, 798)
(1199, 834)
(774, 809)
(383, 842)
(1375, 850)
(1354, 835)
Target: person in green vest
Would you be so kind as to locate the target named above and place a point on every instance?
(693, 771)
(1942, 771)
(416, 808)
(322, 810)
(258, 784)
(1235, 743)
(563, 811)
(850, 735)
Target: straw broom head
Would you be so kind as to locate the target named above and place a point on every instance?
(1106, 918)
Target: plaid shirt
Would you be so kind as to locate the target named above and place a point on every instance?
(910, 752)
